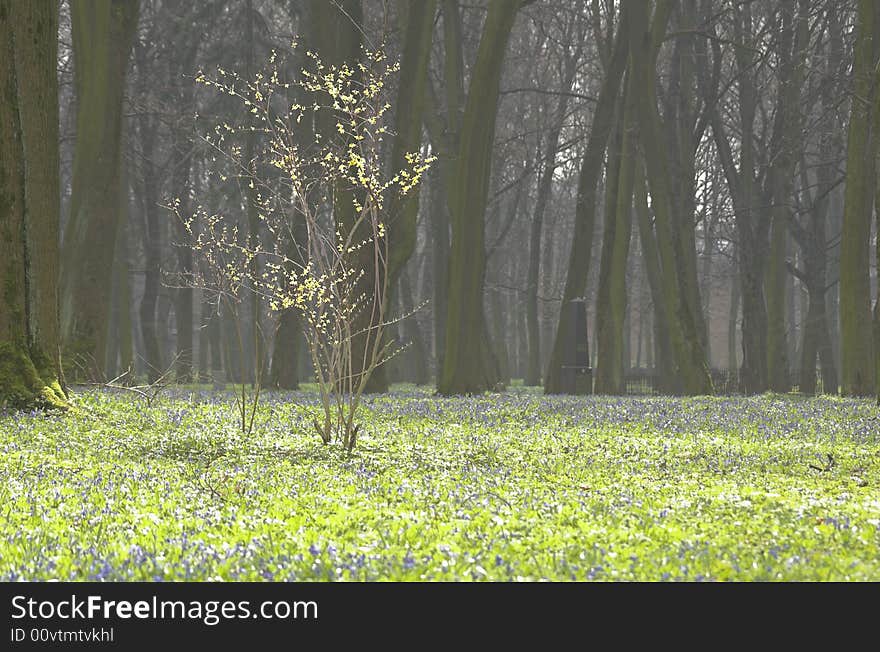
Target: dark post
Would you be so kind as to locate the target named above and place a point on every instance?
(577, 375)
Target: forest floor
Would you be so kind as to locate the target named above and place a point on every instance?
(513, 486)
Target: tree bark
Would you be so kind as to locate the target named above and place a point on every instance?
(688, 356)
(103, 32)
(786, 131)
(662, 362)
(30, 368)
(468, 361)
(611, 305)
(856, 336)
(545, 188)
(401, 212)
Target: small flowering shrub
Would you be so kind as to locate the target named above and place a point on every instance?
(320, 244)
(517, 486)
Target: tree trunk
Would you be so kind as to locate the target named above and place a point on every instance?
(585, 204)
(152, 230)
(412, 333)
(103, 32)
(30, 369)
(688, 355)
(126, 344)
(810, 346)
(545, 188)
(611, 303)
(401, 212)
(786, 130)
(467, 367)
(440, 270)
(856, 336)
(732, 323)
(285, 351)
(668, 382)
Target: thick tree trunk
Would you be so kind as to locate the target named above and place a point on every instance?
(467, 364)
(103, 31)
(856, 336)
(30, 370)
(680, 121)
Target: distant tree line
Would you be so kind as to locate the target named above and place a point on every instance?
(701, 173)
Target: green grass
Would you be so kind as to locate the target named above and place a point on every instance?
(498, 487)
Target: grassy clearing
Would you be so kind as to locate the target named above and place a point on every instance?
(500, 487)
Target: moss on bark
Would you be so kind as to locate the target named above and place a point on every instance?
(24, 385)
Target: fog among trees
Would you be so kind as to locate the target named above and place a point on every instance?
(669, 197)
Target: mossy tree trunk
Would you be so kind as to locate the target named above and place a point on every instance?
(30, 369)
(856, 337)
(103, 32)
(468, 365)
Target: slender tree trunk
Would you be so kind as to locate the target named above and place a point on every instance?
(706, 292)
(545, 188)
(732, 323)
(440, 238)
(183, 295)
(126, 331)
(402, 212)
(585, 204)
(781, 175)
(668, 382)
(810, 346)
(214, 328)
(412, 333)
(611, 304)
